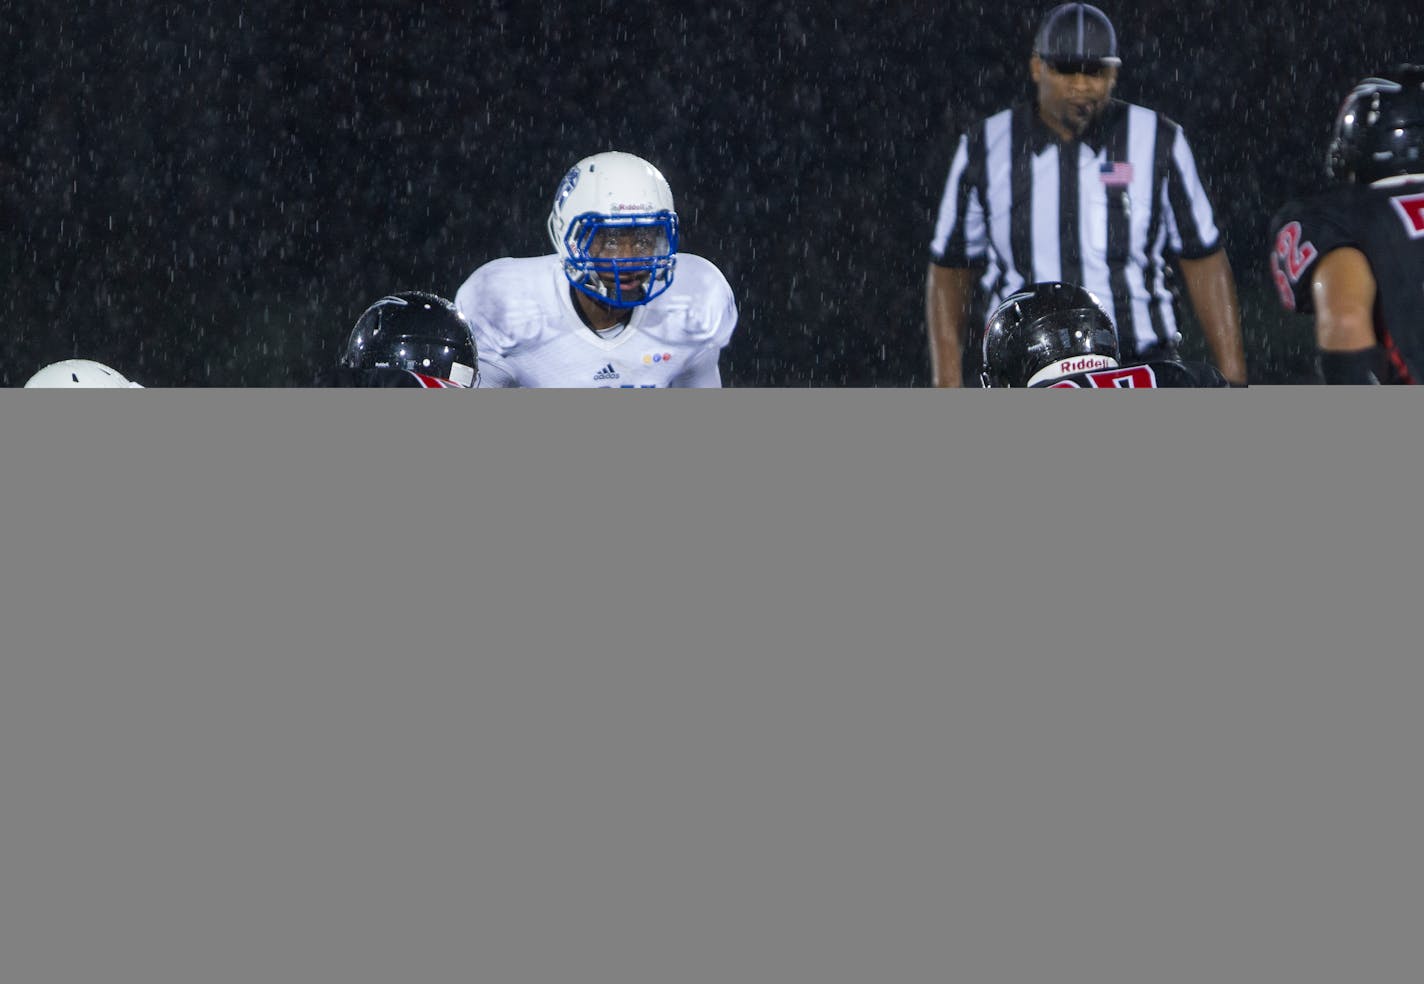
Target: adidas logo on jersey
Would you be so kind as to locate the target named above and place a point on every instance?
(606, 373)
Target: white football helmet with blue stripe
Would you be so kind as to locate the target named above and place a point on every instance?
(614, 226)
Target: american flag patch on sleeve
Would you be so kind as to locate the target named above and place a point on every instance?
(1115, 173)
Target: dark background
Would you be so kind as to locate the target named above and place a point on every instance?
(210, 193)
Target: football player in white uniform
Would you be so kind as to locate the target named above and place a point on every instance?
(605, 309)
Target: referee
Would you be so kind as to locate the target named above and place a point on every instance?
(1079, 187)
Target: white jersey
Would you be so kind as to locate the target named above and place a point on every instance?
(528, 332)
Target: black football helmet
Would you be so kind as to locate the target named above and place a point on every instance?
(417, 331)
(1379, 131)
(1043, 325)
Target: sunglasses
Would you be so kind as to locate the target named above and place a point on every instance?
(1090, 68)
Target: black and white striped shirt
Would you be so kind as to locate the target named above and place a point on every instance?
(1105, 211)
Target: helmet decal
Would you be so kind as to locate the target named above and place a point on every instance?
(566, 189)
(1370, 86)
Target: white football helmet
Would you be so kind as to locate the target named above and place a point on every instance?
(79, 374)
(614, 225)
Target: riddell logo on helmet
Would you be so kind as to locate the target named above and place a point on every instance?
(632, 208)
(1086, 364)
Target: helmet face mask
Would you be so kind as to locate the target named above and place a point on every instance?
(615, 229)
(622, 261)
(1046, 331)
(1379, 130)
(416, 331)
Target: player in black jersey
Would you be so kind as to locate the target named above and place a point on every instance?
(1058, 336)
(410, 339)
(1354, 255)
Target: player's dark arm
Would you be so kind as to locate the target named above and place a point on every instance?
(1212, 290)
(1343, 290)
(948, 291)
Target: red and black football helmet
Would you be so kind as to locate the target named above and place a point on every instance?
(1036, 331)
(1379, 131)
(413, 330)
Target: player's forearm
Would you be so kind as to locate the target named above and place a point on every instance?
(945, 363)
(947, 293)
(1212, 289)
(1223, 336)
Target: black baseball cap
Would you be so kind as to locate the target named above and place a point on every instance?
(1076, 33)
